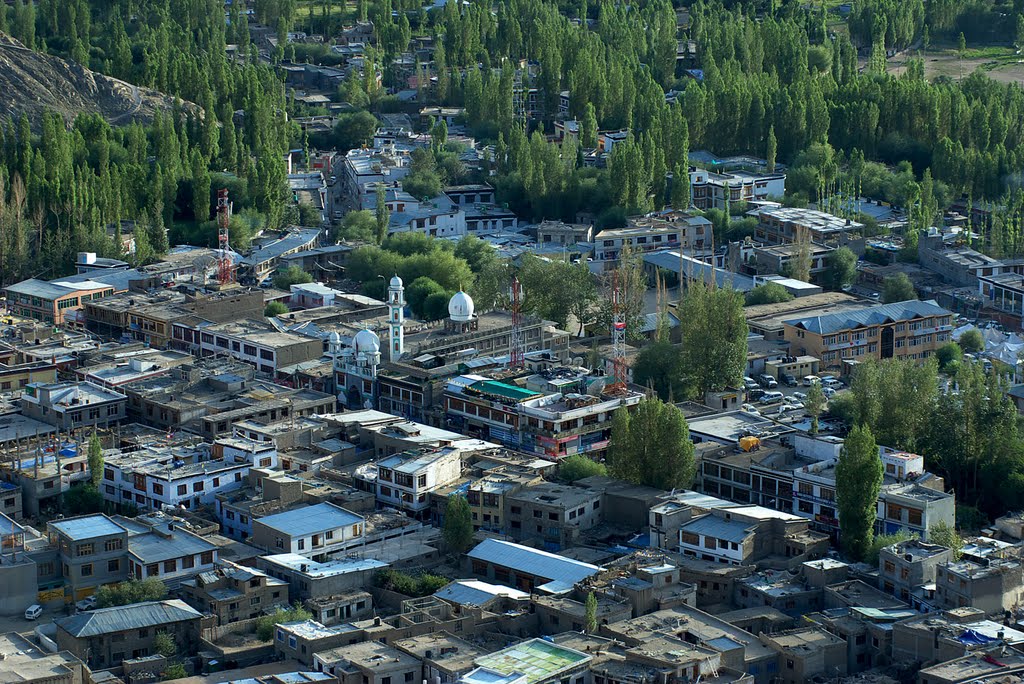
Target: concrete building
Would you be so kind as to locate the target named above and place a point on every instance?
(53, 302)
(905, 566)
(232, 592)
(91, 552)
(105, 637)
(487, 496)
(309, 579)
(73, 405)
(993, 587)
(559, 233)
(263, 260)
(406, 480)
(256, 342)
(750, 534)
(769, 259)
(717, 190)
(806, 653)
(159, 547)
(673, 230)
(24, 662)
(369, 662)
(780, 225)
(552, 516)
(20, 574)
(445, 656)
(908, 330)
(527, 569)
(315, 532)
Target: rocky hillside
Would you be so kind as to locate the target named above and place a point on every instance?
(31, 82)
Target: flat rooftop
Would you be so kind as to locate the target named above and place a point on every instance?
(23, 661)
(537, 659)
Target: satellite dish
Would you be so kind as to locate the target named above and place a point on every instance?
(597, 387)
(201, 264)
(577, 361)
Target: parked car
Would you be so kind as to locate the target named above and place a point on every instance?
(88, 603)
(755, 394)
(831, 381)
(771, 397)
(809, 380)
(33, 612)
(750, 408)
(828, 392)
(800, 396)
(749, 383)
(789, 380)
(767, 381)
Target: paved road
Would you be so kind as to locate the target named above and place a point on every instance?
(136, 102)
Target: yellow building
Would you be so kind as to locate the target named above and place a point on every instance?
(903, 330)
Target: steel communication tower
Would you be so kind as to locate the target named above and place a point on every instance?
(225, 271)
(618, 333)
(517, 352)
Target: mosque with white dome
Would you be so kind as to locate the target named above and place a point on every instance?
(357, 366)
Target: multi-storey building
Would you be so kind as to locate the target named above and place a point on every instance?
(903, 330)
(312, 531)
(233, 592)
(53, 302)
(73, 405)
(551, 424)
(488, 494)
(668, 230)
(743, 535)
(552, 515)
(778, 224)
(91, 550)
(717, 190)
(157, 479)
(406, 480)
(905, 566)
(255, 342)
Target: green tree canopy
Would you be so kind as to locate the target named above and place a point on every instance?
(714, 338)
(458, 525)
(859, 475)
(897, 288)
(658, 366)
(291, 275)
(768, 293)
(359, 226)
(841, 270)
(95, 459)
(130, 591)
(275, 308)
(949, 356)
(972, 341)
(651, 446)
(577, 467)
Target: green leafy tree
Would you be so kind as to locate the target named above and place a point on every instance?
(95, 459)
(130, 591)
(972, 341)
(174, 671)
(577, 467)
(944, 534)
(292, 275)
(588, 127)
(768, 293)
(896, 399)
(354, 130)
(897, 288)
(658, 367)
(714, 338)
(590, 614)
(772, 149)
(266, 624)
(881, 541)
(458, 524)
(275, 308)
(949, 356)
(651, 446)
(83, 498)
(859, 475)
(557, 290)
(382, 215)
(359, 226)
(164, 644)
(842, 268)
(815, 404)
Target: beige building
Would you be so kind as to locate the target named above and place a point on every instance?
(903, 330)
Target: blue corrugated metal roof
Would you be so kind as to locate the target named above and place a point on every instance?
(311, 519)
(550, 566)
(87, 527)
(875, 315)
(712, 526)
(155, 548)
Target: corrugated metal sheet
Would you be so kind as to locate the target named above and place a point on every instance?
(533, 561)
(123, 618)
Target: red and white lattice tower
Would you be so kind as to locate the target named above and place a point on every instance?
(517, 351)
(618, 333)
(225, 272)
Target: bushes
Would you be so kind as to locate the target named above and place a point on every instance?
(266, 624)
(415, 586)
(132, 591)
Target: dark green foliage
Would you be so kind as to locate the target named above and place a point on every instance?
(423, 584)
(949, 356)
(83, 498)
(714, 338)
(292, 275)
(768, 293)
(897, 288)
(130, 591)
(659, 366)
(859, 475)
(972, 341)
(841, 270)
(458, 526)
(651, 446)
(266, 624)
(275, 309)
(577, 467)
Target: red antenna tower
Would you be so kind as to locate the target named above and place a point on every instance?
(517, 352)
(618, 333)
(225, 271)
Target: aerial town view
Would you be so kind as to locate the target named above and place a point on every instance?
(512, 341)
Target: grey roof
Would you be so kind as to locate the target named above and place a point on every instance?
(695, 269)
(293, 240)
(713, 526)
(38, 288)
(123, 618)
(115, 278)
(563, 572)
(874, 315)
(87, 527)
(154, 548)
(477, 593)
(311, 519)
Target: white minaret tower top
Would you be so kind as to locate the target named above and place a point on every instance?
(396, 318)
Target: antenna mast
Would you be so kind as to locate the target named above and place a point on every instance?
(517, 351)
(225, 272)
(618, 333)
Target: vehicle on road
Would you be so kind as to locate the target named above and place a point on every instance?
(771, 397)
(767, 381)
(789, 380)
(33, 612)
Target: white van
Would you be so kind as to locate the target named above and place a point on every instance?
(809, 380)
(33, 611)
(831, 382)
(771, 397)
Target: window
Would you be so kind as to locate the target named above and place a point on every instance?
(914, 517)
(254, 601)
(302, 544)
(199, 486)
(188, 562)
(85, 549)
(114, 565)
(170, 565)
(143, 633)
(182, 490)
(408, 676)
(158, 489)
(114, 544)
(87, 570)
(207, 557)
(152, 570)
(266, 355)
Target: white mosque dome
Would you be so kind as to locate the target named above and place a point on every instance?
(460, 307)
(396, 281)
(334, 338)
(366, 342)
